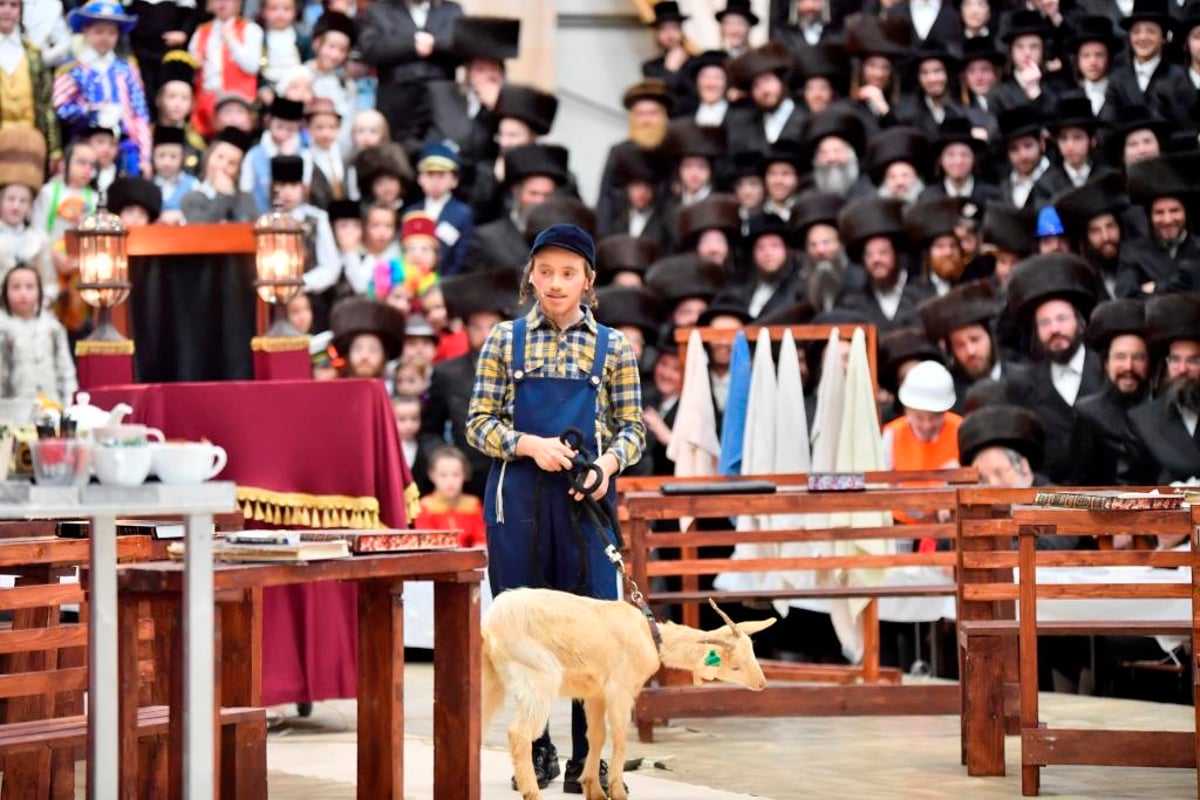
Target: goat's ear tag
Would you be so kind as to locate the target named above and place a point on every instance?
(712, 659)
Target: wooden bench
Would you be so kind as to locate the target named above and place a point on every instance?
(867, 688)
(998, 654)
(45, 678)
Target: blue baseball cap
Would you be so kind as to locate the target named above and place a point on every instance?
(1049, 223)
(567, 237)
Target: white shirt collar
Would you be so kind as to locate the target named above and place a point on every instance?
(1145, 71)
(1022, 186)
(711, 114)
(1068, 377)
(940, 285)
(638, 220)
(1194, 76)
(784, 211)
(1096, 92)
(936, 110)
(889, 299)
(812, 32)
(434, 208)
(774, 121)
(968, 187)
(97, 62)
(686, 199)
(1190, 419)
(1078, 177)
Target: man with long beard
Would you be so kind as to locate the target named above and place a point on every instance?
(1166, 426)
(823, 260)
(648, 104)
(961, 322)
(895, 161)
(1090, 216)
(873, 232)
(834, 138)
(763, 74)
(1050, 296)
(1102, 443)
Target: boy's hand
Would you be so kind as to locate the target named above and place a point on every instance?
(423, 41)
(551, 455)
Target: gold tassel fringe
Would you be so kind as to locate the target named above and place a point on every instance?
(295, 510)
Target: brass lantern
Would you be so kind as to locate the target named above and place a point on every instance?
(103, 269)
(279, 260)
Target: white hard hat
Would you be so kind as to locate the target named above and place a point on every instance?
(927, 387)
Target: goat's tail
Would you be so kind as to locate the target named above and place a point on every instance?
(493, 687)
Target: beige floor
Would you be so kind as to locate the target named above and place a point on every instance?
(785, 759)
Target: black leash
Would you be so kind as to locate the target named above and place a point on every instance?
(585, 477)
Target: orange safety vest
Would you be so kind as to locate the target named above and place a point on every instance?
(910, 453)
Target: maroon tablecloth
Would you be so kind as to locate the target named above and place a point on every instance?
(319, 453)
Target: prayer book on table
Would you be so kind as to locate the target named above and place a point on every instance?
(158, 529)
(386, 541)
(1110, 501)
(289, 553)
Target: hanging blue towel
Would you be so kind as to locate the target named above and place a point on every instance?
(733, 424)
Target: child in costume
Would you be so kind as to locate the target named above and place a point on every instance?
(21, 174)
(333, 38)
(174, 102)
(228, 51)
(36, 354)
(421, 249)
(282, 47)
(446, 508)
(437, 174)
(378, 257)
(101, 89)
(59, 207)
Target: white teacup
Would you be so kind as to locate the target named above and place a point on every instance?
(127, 435)
(187, 462)
(118, 465)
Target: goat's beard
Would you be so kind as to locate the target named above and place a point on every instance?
(909, 197)
(650, 134)
(837, 178)
(1184, 393)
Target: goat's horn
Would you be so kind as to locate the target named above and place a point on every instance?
(732, 627)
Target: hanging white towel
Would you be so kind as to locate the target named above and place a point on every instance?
(694, 446)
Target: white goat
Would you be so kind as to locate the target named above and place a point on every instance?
(540, 644)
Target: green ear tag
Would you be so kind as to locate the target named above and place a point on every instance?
(712, 659)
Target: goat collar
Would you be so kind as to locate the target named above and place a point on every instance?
(655, 632)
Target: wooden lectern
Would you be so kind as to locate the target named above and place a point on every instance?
(193, 311)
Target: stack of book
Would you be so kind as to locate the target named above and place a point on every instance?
(303, 546)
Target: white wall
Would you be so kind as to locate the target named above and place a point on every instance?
(599, 55)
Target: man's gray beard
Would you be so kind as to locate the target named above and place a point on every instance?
(823, 279)
(1185, 395)
(909, 197)
(837, 178)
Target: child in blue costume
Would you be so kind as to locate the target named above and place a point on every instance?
(537, 376)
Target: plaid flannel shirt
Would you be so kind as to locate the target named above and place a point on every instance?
(564, 354)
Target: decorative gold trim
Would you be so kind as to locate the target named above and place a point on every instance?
(296, 510)
(86, 347)
(279, 344)
(412, 502)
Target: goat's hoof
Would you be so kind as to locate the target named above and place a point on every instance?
(617, 791)
(592, 790)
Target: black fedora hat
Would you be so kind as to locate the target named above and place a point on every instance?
(709, 58)
(667, 11)
(837, 121)
(894, 144)
(529, 160)
(813, 207)
(900, 346)
(125, 192)
(771, 57)
(621, 252)
(956, 130)
(827, 60)
(1094, 28)
(1115, 318)
(715, 212)
(486, 291)
(867, 218)
(725, 305)
(741, 8)
(1190, 19)
(493, 38)
(534, 107)
(971, 303)
(929, 219)
(1007, 228)
(1156, 11)
(1050, 276)
(933, 51)
(982, 48)
(1074, 111)
(632, 306)
(358, 315)
(684, 275)
(559, 210)
(800, 313)
(1166, 176)
(648, 89)
(769, 225)
(1002, 425)
(1104, 193)
(634, 164)
(1172, 318)
(1025, 22)
(784, 152)
(1019, 121)
(1135, 117)
(336, 22)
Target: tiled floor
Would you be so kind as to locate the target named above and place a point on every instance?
(785, 759)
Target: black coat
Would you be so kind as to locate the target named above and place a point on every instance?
(793, 39)
(610, 198)
(448, 120)
(787, 292)
(863, 301)
(744, 129)
(1033, 388)
(1053, 181)
(981, 194)
(497, 244)
(947, 25)
(913, 111)
(1144, 260)
(660, 228)
(1171, 452)
(1103, 442)
(385, 39)
(445, 413)
(1169, 94)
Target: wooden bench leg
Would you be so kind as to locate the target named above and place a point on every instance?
(983, 705)
(244, 760)
(27, 776)
(645, 729)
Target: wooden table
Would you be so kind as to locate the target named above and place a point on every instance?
(456, 726)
